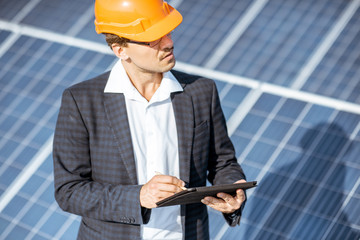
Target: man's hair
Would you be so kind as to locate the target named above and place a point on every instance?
(112, 38)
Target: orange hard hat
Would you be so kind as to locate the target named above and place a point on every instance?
(139, 20)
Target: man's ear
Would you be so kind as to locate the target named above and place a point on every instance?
(119, 51)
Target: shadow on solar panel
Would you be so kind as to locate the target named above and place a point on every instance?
(308, 203)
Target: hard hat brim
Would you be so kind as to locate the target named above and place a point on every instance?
(161, 28)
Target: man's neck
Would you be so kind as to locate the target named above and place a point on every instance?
(145, 82)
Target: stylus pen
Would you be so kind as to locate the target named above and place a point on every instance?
(159, 173)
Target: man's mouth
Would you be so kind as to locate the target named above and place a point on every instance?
(169, 55)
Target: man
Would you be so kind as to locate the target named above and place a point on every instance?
(114, 132)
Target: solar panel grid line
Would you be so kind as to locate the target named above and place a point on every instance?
(38, 125)
(334, 59)
(15, 127)
(175, 3)
(351, 83)
(203, 71)
(9, 111)
(23, 70)
(311, 97)
(218, 75)
(270, 88)
(8, 67)
(283, 143)
(27, 141)
(22, 226)
(39, 99)
(270, 170)
(255, 138)
(82, 21)
(284, 51)
(352, 165)
(46, 117)
(346, 201)
(349, 57)
(286, 186)
(242, 110)
(25, 11)
(304, 43)
(225, 90)
(250, 60)
(263, 55)
(222, 231)
(10, 26)
(281, 234)
(239, 27)
(24, 209)
(36, 229)
(356, 227)
(64, 227)
(324, 47)
(39, 33)
(16, 113)
(225, 227)
(4, 47)
(306, 211)
(25, 92)
(326, 178)
(25, 175)
(338, 60)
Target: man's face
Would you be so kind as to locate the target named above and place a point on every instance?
(156, 57)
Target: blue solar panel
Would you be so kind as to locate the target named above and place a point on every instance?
(60, 15)
(336, 75)
(307, 182)
(9, 9)
(204, 26)
(281, 39)
(232, 99)
(303, 152)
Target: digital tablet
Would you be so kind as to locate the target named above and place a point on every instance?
(194, 195)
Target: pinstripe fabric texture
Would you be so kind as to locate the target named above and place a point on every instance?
(94, 167)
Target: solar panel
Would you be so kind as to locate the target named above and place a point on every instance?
(286, 72)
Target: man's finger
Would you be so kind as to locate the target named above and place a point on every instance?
(227, 198)
(211, 201)
(217, 204)
(166, 179)
(240, 194)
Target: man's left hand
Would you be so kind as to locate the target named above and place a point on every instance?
(226, 203)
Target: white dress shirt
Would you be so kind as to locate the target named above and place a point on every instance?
(154, 138)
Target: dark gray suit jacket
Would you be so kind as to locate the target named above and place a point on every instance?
(95, 174)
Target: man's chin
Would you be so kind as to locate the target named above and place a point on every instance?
(169, 66)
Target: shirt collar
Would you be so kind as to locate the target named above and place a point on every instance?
(119, 82)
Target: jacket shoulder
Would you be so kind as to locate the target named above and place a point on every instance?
(96, 84)
(186, 78)
(194, 84)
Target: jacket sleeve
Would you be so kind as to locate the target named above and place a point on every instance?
(223, 165)
(75, 189)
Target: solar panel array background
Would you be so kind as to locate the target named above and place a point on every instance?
(304, 153)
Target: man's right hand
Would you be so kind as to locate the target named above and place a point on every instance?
(158, 188)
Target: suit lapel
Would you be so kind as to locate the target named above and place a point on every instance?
(184, 117)
(115, 109)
